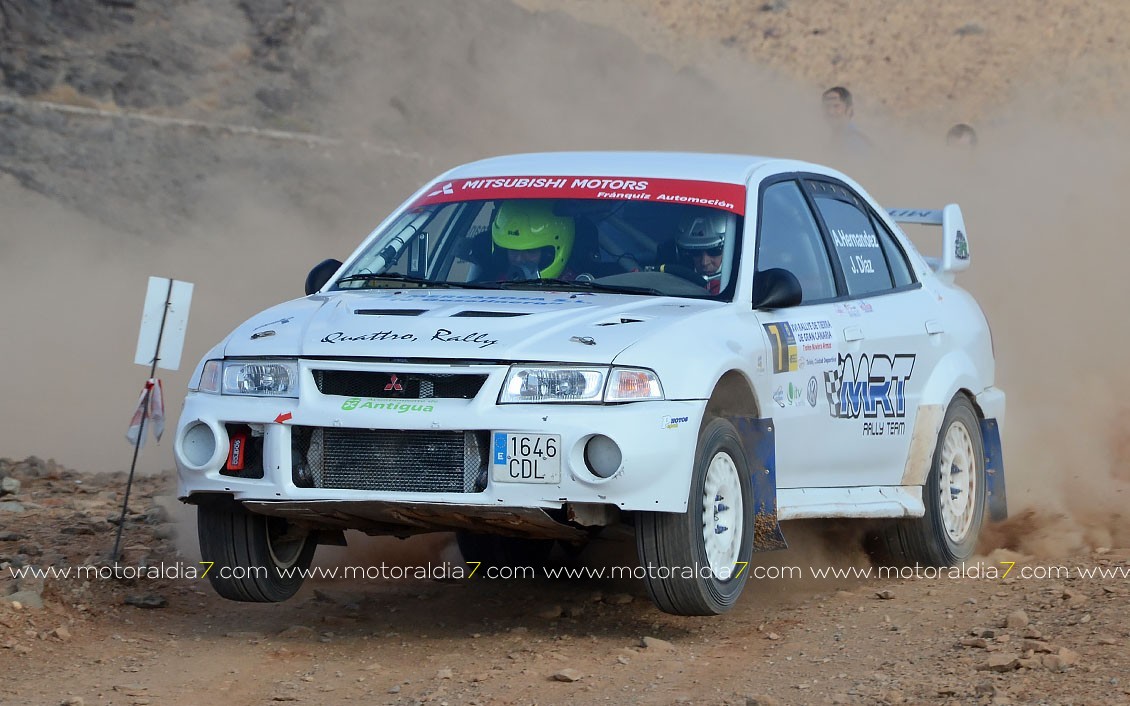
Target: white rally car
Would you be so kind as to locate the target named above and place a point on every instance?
(537, 347)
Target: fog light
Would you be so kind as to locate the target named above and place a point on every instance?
(198, 445)
(602, 456)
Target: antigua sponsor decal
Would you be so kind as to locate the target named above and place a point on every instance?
(356, 403)
(869, 386)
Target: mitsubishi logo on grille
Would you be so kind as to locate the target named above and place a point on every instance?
(394, 384)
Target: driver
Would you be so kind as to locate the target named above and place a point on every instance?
(537, 242)
(700, 241)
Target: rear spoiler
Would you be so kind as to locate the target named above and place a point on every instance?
(955, 244)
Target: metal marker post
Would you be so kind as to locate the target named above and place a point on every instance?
(159, 344)
(144, 416)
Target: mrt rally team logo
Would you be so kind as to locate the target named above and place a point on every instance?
(869, 386)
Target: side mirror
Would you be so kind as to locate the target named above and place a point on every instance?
(321, 274)
(775, 288)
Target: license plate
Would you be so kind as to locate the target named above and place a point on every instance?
(526, 458)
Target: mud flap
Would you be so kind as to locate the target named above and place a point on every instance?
(994, 470)
(760, 447)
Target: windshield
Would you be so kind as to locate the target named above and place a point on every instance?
(633, 241)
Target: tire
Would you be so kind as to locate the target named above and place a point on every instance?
(254, 548)
(954, 496)
(713, 538)
(495, 550)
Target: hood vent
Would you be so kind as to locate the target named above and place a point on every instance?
(390, 312)
(620, 320)
(487, 314)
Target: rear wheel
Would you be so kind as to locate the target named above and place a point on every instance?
(254, 557)
(954, 495)
(697, 562)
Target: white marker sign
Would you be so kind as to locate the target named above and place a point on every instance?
(166, 306)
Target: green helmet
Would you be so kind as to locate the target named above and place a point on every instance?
(532, 225)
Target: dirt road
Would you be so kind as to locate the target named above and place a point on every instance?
(1011, 628)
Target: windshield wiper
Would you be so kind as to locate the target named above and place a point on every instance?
(407, 279)
(585, 285)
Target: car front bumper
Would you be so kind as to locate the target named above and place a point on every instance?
(656, 439)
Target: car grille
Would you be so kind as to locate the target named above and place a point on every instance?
(410, 461)
(411, 386)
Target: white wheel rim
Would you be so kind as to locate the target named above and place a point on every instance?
(722, 515)
(284, 549)
(957, 482)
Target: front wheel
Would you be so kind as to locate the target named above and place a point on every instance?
(697, 562)
(255, 558)
(954, 495)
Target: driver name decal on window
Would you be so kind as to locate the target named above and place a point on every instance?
(727, 197)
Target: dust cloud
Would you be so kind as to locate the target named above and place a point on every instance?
(1040, 197)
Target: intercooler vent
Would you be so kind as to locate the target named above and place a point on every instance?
(389, 312)
(393, 460)
(404, 386)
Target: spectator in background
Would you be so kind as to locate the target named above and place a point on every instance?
(839, 111)
(962, 136)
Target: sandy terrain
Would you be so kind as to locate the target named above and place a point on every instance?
(1044, 82)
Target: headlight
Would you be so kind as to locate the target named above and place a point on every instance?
(263, 378)
(578, 384)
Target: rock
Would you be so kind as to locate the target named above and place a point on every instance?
(654, 643)
(1000, 662)
(62, 633)
(146, 600)
(551, 613)
(9, 486)
(619, 599)
(1060, 661)
(1074, 598)
(445, 673)
(761, 700)
(11, 506)
(26, 599)
(296, 631)
(1036, 646)
(73, 701)
(567, 675)
(1016, 619)
(395, 689)
(975, 642)
(885, 595)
